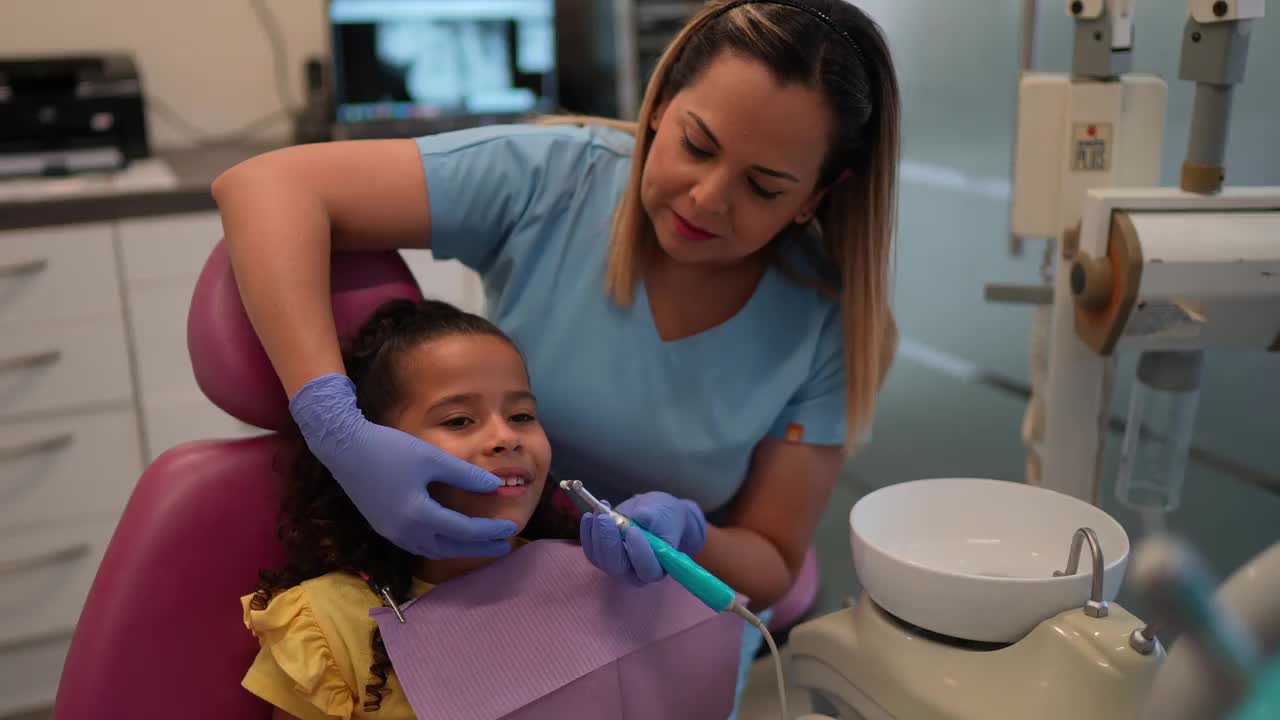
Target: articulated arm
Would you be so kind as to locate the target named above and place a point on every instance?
(1103, 37)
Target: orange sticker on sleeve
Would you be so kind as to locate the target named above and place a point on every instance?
(795, 432)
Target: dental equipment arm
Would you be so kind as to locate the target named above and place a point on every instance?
(1190, 269)
(1215, 44)
(1219, 662)
(1103, 37)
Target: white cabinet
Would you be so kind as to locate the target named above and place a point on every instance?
(50, 366)
(46, 577)
(69, 441)
(95, 382)
(58, 273)
(29, 673)
(447, 280)
(162, 258)
(59, 470)
(167, 250)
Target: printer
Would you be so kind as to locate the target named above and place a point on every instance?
(65, 115)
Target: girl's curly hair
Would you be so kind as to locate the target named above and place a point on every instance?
(320, 528)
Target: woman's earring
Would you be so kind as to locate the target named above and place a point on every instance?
(804, 218)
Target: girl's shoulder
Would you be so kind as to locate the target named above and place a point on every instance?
(308, 606)
(334, 605)
(316, 645)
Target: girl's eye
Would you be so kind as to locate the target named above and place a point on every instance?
(457, 422)
(694, 150)
(766, 194)
(523, 418)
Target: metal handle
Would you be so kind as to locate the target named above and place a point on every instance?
(53, 557)
(1024, 294)
(1096, 606)
(36, 447)
(24, 267)
(1143, 640)
(32, 360)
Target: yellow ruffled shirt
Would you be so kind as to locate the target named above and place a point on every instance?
(316, 650)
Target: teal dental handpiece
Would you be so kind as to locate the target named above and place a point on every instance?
(708, 588)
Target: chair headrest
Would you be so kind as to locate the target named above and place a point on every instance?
(230, 365)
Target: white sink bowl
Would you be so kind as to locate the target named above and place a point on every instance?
(974, 559)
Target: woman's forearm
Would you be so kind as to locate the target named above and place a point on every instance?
(278, 240)
(285, 212)
(748, 562)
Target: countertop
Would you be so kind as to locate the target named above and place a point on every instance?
(195, 169)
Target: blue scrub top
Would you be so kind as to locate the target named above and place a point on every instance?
(530, 208)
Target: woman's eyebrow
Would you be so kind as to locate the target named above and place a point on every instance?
(716, 142)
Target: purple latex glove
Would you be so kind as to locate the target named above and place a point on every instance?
(679, 522)
(386, 473)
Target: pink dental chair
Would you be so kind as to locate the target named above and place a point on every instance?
(161, 632)
(799, 600)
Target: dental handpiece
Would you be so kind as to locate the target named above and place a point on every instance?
(708, 588)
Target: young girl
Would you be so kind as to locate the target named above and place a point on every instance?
(456, 381)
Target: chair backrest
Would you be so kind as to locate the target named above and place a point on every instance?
(161, 630)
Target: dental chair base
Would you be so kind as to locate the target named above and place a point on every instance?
(872, 666)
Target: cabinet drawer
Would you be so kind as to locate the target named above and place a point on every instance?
(171, 425)
(63, 365)
(160, 249)
(45, 578)
(60, 272)
(66, 468)
(160, 343)
(29, 673)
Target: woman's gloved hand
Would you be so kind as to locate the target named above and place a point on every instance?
(679, 522)
(386, 473)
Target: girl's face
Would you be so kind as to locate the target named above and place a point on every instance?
(735, 159)
(469, 396)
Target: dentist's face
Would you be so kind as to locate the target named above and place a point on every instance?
(469, 396)
(735, 158)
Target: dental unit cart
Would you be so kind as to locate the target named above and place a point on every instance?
(991, 600)
(991, 615)
(986, 617)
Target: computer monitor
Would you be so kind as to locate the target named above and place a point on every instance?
(398, 60)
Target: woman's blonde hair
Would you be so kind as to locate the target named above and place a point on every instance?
(844, 55)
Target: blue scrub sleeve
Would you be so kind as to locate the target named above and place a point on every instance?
(484, 183)
(815, 414)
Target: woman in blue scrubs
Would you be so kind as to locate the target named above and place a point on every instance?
(703, 297)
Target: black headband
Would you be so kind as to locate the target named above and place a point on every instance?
(821, 16)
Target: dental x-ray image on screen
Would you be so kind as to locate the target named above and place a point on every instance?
(433, 58)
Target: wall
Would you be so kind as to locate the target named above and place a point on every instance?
(210, 61)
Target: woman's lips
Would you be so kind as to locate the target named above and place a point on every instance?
(688, 230)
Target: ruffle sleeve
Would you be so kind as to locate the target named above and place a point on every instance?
(295, 669)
